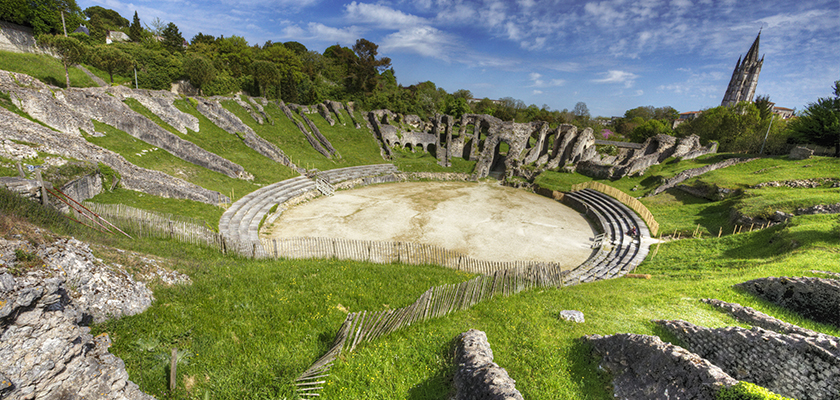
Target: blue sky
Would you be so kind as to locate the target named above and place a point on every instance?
(613, 55)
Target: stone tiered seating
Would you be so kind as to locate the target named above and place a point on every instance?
(345, 174)
(620, 253)
(240, 224)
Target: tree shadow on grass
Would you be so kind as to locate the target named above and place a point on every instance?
(441, 385)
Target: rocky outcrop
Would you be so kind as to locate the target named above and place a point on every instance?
(226, 120)
(160, 103)
(815, 298)
(71, 110)
(801, 183)
(45, 351)
(695, 172)
(133, 177)
(477, 377)
(644, 367)
(790, 365)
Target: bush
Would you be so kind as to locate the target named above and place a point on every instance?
(222, 85)
(748, 391)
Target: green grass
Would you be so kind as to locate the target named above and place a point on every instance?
(356, 146)
(253, 326)
(216, 140)
(765, 201)
(188, 208)
(421, 161)
(768, 169)
(45, 68)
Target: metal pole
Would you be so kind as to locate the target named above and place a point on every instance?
(766, 134)
(135, 77)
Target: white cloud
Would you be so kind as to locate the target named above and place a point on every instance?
(321, 33)
(537, 92)
(615, 76)
(538, 82)
(423, 40)
(381, 16)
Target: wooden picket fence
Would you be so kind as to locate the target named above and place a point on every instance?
(365, 326)
(142, 223)
(625, 198)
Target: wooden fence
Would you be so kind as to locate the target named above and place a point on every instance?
(142, 223)
(625, 198)
(364, 326)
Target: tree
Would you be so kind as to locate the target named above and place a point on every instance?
(645, 113)
(200, 71)
(581, 111)
(265, 75)
(648, 129)
(726, 125)
(68, 49)
(135, 31)
(456, 107)
(172, 39)
(111, 59)
(462, 94)
(367, 66)
(296, 47)
(764, 105)
(820, 122)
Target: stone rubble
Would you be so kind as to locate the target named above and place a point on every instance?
(815, 298)
(45, 351)
(477, 377)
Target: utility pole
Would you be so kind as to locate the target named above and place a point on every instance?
(62, 23)
(767, 134)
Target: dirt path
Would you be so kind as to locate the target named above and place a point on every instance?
(483, 220)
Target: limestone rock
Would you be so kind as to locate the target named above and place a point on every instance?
(477, 377)
(800, 153)
(815, 298)
(572, 315)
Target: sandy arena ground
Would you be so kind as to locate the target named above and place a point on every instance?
(486, 221)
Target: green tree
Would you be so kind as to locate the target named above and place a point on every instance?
(644, 112)
(581, 111)
(820, 122)
(111, 59)
(135, 30)
(44, 16)
(296, 48)
(648, 129)
(764, 105)
(15, 11)
(101, 20)
(172, 39)
(288, 66)
(68, 49)
(456, 107)
(725, 125)
(265, 75)
(462, 94)
(366, 66)
(234, 55)
(200, 71)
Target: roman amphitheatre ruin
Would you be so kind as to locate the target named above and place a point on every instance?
(509, 239)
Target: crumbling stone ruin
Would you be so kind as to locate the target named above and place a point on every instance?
(815, 298)
(645, 367)
(532, 147)
(48, 351)
(791, 365)
(477, 377)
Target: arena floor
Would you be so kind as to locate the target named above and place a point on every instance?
(484, 220)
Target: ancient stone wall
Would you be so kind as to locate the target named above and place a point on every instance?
(476, 375)
(82, 188)
(815, 298)
(694, 172)
(645, 367)
(791, 365)
(18, 39)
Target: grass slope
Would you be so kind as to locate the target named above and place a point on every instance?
(45, 68)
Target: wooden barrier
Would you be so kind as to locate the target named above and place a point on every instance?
(625, 198)
(364, 326)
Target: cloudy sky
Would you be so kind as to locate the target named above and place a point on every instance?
(613, 55)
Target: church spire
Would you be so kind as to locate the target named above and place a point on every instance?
(744, 77)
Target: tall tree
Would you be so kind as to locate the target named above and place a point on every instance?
(367, 66)
(580, 110)
(200, 71)
(820, 122)
(172, 39)
(45, 15)
(135, 30)
(764, 105)
(265, 74)
(111, 59)
(68, 49)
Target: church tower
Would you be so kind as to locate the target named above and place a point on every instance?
(744, 77)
